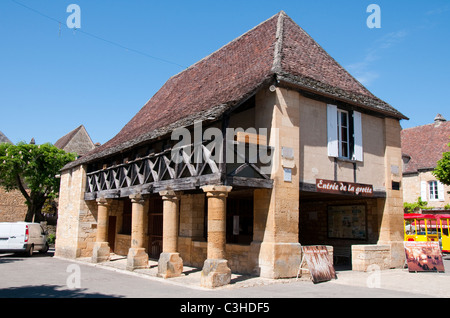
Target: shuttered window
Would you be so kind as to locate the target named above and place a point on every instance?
(344, 134)
(333, 142)
(435, 190)
(432, 191)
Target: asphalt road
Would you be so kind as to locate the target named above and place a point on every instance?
(43, 276)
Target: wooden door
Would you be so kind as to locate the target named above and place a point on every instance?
(112, 232)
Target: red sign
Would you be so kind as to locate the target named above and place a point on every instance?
(340, 187)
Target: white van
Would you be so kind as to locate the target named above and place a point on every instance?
(22, 237)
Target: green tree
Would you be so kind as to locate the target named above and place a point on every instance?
(442, 170)
(31, 169)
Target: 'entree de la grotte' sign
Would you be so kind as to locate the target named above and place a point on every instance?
(340, 187)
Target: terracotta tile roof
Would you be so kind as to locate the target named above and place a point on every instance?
(424, 145)
(275, 49)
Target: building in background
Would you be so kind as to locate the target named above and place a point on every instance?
(422, 148)
(12, 204)
(77, 141)
(4, 139)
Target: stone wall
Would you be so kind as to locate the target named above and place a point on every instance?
(412, 189)
(76, 228)
(123, 243)
(366, 256)
(194, 253)
(192, 215)
(12, 206)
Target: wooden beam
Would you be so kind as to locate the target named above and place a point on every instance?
(250, 182)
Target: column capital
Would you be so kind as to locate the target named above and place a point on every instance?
(217, 190)
(137, 198)
(170, 195)
(103, 202)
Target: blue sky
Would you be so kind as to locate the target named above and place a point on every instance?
(53, 79)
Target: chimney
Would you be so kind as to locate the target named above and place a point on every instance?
(439, 119)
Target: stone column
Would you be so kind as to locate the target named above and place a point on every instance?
(275, 250)
(137, 257)
(170, 263)
(101, 251)
(215, 271)
(391, 207)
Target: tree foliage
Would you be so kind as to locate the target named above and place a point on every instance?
(31, 169)
(442, 170)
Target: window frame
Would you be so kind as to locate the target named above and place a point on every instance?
(340, 126)
(433, 190)
(335, 143)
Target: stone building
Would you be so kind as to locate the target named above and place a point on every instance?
(12, 204)
(4, 139)
(317, 161)
(422, 148)
(77, 141)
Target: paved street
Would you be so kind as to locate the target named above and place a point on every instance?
(49, 277)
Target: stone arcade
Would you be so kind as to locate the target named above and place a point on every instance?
(131, 197)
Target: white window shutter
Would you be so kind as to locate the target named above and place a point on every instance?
(441, 191)
(357, 133)
(333, 143)
(424, 191)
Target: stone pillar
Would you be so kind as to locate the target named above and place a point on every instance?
(74, 213)
(101, 251)
(391, 208)
(170, 263)
(275, 250)
(215, 271)
(137, 257)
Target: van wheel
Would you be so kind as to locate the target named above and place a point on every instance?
(45, 249)
(30, 251)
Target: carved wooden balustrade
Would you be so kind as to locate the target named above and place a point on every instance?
(186, 170)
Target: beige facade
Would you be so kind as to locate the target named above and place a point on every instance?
(313, 158)
(282, 218)
(418, 184)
